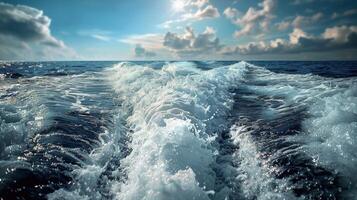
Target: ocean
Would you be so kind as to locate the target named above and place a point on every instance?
(178, 130)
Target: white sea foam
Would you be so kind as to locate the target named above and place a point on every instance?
(173, 112)
(254, 174)
(330, 131)
(21, 115)
(85, 183)
(331, 137)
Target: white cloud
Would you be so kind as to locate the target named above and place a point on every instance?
(141, 52)
(199, 3)
(282, 26)
(302, 21)
(193, 10)
(340, 34)
(253, 19)
(24, 26)
(206, 13)
(27, 24)
(230, 13)
(188, 44)
(244, 31)
(335, 38)
(184, 4)
(296, 35)
(101, 37)
(346, 13)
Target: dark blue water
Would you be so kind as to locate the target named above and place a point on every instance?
(178, 130)
(335, 69)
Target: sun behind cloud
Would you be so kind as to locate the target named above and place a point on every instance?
(178, 5)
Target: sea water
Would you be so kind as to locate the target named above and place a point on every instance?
(178, 130)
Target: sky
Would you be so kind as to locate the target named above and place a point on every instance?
(178, 30)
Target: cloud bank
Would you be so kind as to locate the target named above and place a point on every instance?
(189, 44)
(193, 10)
(257, 19)
(141, 52)
(334, 38)
(25, 34)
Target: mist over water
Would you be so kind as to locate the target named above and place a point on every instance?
(178, 130)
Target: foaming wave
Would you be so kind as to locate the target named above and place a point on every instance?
(50, 129)
(332, 136)
(21, 115)
(143, 130)
(173, 113)
(313, 120)
(254, 173)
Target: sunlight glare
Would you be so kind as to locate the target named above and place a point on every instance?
(178, 5)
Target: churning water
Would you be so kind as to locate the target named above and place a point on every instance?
(178, 130)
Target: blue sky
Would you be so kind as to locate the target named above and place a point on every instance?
(178, 29)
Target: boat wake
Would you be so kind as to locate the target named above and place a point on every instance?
(178, 130)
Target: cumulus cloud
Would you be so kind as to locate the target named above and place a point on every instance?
(296, 35)
(335, 38)
(346, 13)
(299, 21)
(198, 3)
(230, 13)
(205, 13)
(193, 10)
(190, 44)
(177, 42)
(282, 26)
(191, 3)
(141, 52)
(302, 21)
(253, 18)
(24, 26)
(341, 34)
